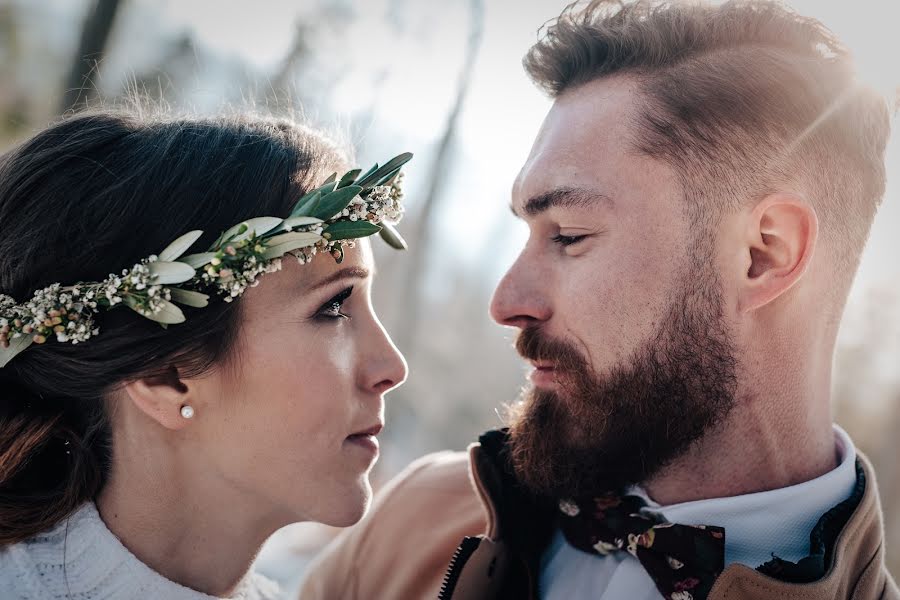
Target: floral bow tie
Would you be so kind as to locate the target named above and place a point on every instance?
(683, 560)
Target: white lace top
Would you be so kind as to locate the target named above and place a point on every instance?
(81, 558)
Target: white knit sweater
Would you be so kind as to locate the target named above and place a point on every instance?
(82, 559)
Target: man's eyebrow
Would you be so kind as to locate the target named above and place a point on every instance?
(346, 273)
(563, 197)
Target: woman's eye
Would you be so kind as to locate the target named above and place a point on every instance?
(332, 308)
(568, 240)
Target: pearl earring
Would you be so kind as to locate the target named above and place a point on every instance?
(187, 411)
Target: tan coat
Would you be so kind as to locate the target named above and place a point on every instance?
(404, 546)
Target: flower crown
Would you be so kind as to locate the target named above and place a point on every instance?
(324, 220)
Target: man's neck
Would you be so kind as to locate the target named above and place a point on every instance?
(763, 445)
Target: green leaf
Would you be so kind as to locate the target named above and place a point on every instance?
(387, 179)
(346, 230)
(171, 272)
(393, 238)
(284, 243)
(367, 173)
(306, 205)
(327, 187)
(335, 202)
(16, 345)
(292, 236)
(304, 201)
(331, 179)
(198, 260)
(168, 313)
(289, 224)
(180, 246)
(189, 297)
(348, 178)
(388, 167)
(229, 234)
(258, 226)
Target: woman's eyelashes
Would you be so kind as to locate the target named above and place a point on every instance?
(332, 308)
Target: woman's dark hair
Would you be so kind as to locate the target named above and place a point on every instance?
(87, 197)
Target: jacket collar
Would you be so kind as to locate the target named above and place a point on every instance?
(843, 543)
(518, 522)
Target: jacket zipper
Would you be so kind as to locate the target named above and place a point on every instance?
(459, 560)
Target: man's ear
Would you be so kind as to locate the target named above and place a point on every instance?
(780, 239)
(161, 398)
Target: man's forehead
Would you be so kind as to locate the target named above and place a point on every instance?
(585, 132)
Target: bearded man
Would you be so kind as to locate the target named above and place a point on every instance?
(698, 199)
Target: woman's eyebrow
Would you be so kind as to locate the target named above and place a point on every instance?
(345, 273)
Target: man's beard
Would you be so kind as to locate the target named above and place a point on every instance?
(601, 433)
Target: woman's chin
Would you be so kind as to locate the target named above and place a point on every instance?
(350, 507)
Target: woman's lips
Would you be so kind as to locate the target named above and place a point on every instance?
(366, 442)
(366, 439)
(372, 431)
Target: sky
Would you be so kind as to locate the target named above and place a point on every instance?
(503, 111)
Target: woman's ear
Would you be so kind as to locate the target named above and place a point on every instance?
(162, 398)
(780, 239)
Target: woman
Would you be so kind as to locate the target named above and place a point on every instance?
(153, 461)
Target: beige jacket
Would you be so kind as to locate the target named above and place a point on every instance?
(405, 547)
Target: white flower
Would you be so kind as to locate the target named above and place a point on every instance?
(632, 544)
(681, 596)
(567, 507)
(674, 563)
(605, 548)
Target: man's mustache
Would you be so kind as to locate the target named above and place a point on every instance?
(534, 345)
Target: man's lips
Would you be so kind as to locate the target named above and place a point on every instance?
(544, 374)
(542, 364)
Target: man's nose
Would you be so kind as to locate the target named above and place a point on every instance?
(522, 297)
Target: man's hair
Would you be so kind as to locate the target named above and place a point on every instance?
(742, 99)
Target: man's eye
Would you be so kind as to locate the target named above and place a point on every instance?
(567, 240)
(332, 308)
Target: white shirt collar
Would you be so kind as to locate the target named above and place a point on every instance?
(82, 557)
(775, 522)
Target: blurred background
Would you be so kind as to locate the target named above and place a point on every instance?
(440, 78)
